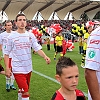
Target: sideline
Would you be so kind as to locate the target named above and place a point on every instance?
(52, 79)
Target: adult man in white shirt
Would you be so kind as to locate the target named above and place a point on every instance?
(3, 42)
(92, 65)
(20, 43)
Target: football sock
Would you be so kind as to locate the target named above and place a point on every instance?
(27, 98)
(61, 54)
(83, 58)
(19, 94)
(55, 55)
(12, 80)
(7, 80)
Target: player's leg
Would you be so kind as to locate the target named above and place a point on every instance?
(61, 51)
(23, 81)
(8, 84)
(56, 53)
(83, 59)
(12, 82)
(11, 77)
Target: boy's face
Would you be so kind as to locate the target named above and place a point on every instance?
(90, 29)
(60, 34)
(21, 22)
(69, 78)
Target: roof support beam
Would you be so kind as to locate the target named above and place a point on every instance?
(27, 5)
(81, 6)
(95, 7)
(47, 5)
(65, 5)
(6, 5)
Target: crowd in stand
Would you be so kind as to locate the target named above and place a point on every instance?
(65, 24)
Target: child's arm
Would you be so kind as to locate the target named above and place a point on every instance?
(2, 72)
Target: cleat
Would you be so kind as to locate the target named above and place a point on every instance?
(8, 90)
(54, 58)
(8, 87)
(82, 65)
(12, 87)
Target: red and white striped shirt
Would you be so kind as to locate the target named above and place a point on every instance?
(3, 41)
(93, 52)
(20, 45)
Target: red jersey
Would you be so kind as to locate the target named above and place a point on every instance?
(58, 96)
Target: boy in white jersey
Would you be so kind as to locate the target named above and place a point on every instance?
(20, 43)
(92, 65)
(3, 41)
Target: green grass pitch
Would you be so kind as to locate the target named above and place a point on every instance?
(42, 85)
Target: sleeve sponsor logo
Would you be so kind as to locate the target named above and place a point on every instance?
(94, 41)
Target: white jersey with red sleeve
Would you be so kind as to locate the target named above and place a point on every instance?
(20, 45)
(3, 41)
(93, 52)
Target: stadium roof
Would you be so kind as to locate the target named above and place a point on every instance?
(46, 7)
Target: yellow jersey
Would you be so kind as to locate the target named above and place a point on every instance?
(86, 35)
(59, 40)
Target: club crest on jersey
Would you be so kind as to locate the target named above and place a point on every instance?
(91, 54)
(5, 47)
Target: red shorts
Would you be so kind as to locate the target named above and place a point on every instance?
(23, 81)
(10, 62)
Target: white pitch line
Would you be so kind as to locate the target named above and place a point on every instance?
(52, 79)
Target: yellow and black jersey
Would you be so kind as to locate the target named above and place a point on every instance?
(86, 36)
(59, 40)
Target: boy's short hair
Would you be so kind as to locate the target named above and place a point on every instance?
(63, 62)
(21, 14)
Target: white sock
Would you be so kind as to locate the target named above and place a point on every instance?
(19, 95)
(27, 98)
(7, 80)
(12, 80)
